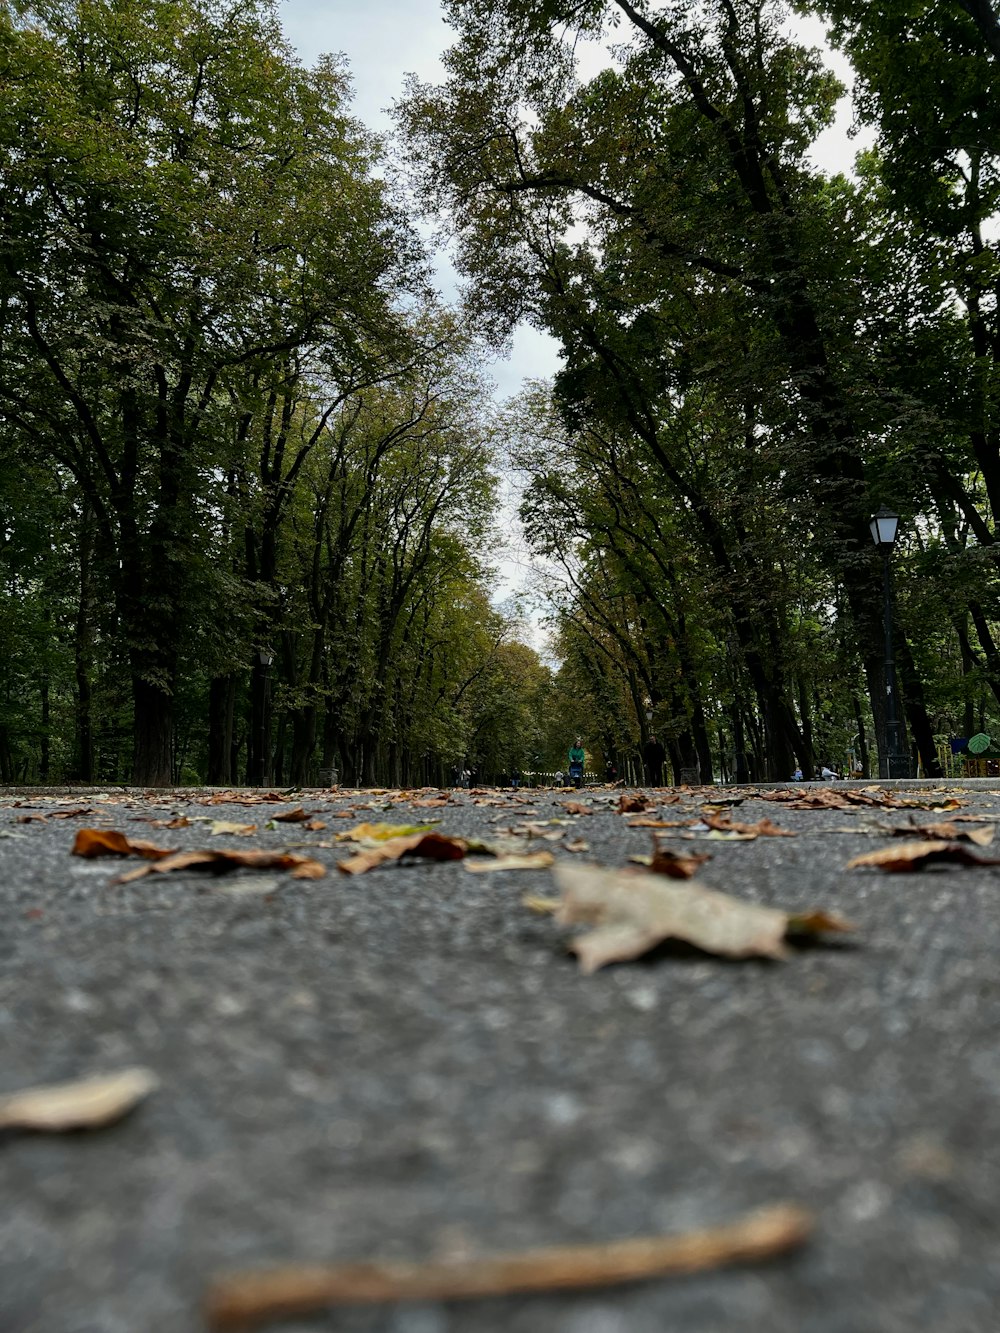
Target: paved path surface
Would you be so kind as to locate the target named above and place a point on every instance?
(408, 1063)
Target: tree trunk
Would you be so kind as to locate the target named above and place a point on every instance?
(912, 692)
(221, 702)
(152, 734)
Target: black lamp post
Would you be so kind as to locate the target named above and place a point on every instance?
(265, 657)
(895, 763)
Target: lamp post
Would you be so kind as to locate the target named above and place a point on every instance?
(265, 656)
(895, 763)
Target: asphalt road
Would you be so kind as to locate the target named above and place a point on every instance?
(409, 1064)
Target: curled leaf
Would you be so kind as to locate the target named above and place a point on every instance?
(945, 832)
(93, 842)
(85, 1103)
(631, 913)
(764, 828)
(224, 863)
(239, 1300)
(512, 861)
(431, 846)
(630, 803)
(676, 865)
(917, 855)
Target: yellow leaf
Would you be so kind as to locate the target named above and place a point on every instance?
(373, 833)
(513, 861)
(84, 1104)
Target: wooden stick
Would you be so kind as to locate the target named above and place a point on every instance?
(239, 1300)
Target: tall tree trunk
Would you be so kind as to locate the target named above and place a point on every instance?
(221, 703)
(83, 651)
(912, 692)
(153, 731)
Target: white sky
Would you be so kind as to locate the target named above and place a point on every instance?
(387, 39)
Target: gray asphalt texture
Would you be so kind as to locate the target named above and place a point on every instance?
(409, 1063)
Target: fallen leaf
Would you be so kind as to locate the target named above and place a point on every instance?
(576, 845)
(633, 912)
(650, 821)
(544, 906)
(945, 832)
(764, 828)
(223, 863)
(91, 842)
(431, 846)
(633, 803)
(513, 861)
(315, 825)
(224, 826)
(373, 833)
(676, 865)
(576, 808)
(916, 855)
(54, 814)
(296, 816)
(261, 1296)
(85, 1103)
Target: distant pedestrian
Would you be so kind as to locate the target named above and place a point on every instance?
(577, 759)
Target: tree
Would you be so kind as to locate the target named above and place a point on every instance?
(185, 209)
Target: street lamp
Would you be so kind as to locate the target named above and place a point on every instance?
(896, 764)
(265, 657)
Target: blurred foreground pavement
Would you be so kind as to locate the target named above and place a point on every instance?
(408, 1063)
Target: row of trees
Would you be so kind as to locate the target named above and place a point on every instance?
(756, 355)
(246, 476)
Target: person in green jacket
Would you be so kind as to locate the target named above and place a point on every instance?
(576, 761)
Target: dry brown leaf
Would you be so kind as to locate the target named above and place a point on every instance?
(676, 865)
(223, 863)
(226, 826)
(945, 832)
(87, 1103)
(431, 846)
(255, 1297)
(633, 803)
(54, 814)
(91, 842)
(650, 821)
(916, 855)
(576, 808)
(243, 798)
(315, 825)
(296, 816)
(513, 861)
(633, 912)
(576, 845)
(764, 828)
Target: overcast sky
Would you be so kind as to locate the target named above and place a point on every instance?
(386, 39)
